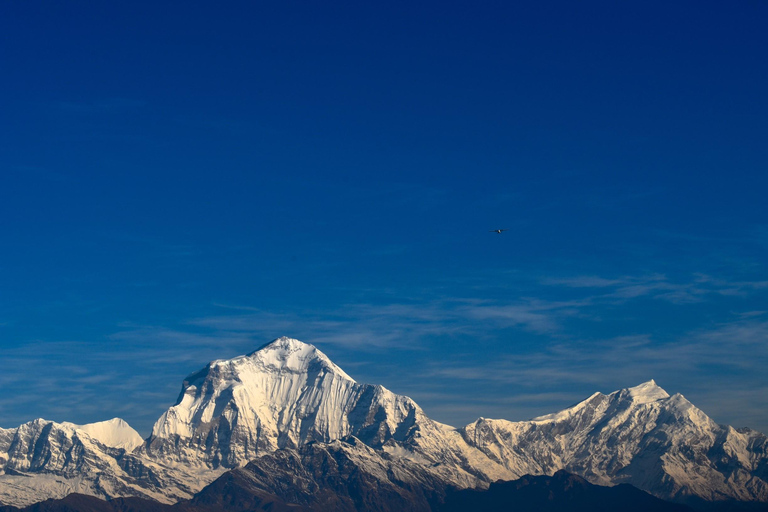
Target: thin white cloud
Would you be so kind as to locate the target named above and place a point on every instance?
(397, 325)
(555, 356)
(583, 282)
(658, 286)
(726, 360)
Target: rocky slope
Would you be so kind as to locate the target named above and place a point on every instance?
(335, 477)
(344, 476)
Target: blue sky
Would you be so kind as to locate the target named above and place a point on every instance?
(183, 182)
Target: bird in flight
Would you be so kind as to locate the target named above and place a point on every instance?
(497, 230)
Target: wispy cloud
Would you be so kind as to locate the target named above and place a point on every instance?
(397, 325)
(584, 282)
(534, 315)
(36, 384)
(356, 325)
(518, 350)
(713, 363)
(740, 345)
(658, 286)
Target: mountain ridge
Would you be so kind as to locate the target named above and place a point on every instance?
(342, 478)
(288, 394)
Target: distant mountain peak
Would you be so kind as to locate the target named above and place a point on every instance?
(290, 354)
(646, 392)
(283, 342)
(282, 355)
(115, 433)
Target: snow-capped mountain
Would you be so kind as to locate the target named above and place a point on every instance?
(284, 395)
(114, 433)
(42, 459)
(662, 444)
(288, 394)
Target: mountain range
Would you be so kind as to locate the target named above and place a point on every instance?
(286, 425)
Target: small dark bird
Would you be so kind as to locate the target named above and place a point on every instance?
(498, 230)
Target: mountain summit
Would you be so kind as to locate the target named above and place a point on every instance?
(284, 395)
(647, 392)
(292, 355)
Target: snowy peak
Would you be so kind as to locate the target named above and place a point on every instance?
(283, 355)
(114, 433)
(640, 435)
(288, 354)
(644, 393)
(285, 394)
